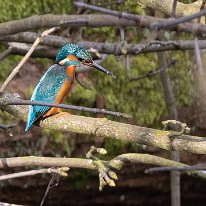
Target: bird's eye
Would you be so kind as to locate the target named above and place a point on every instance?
(81, 60)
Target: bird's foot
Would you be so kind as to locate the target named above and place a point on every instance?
(61, 114)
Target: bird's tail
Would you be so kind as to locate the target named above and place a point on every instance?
(31, 118)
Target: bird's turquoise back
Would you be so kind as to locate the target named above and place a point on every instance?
(46, 91)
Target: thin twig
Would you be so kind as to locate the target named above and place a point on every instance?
(60, 171)
(169, 23)
(18, 67)
(53, 182)
(174, 6)
(198, 56)
(180, 169)
(197, 47)
(64, 106)
(6, 127)
(5, 53)
(154, 72)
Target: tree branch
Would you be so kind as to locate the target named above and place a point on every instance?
(107, 48)
(180, 169)
(151, 73)
(149, 22)
(5, 53)
(111, 129)
(50, 20)
(117, 162)
(67, 106)
(91, 20)
(61, 171)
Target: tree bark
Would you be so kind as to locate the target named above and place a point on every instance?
(165, 6)
(111, 129)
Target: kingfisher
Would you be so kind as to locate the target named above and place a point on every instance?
(57, 82)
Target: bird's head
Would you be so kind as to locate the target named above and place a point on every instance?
(72, 54)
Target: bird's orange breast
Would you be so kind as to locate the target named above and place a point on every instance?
(65, 89)
(67, 85)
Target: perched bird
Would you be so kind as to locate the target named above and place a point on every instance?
(57, 82)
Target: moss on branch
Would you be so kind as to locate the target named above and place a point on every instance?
(111, 129)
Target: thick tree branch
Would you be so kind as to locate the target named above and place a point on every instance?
(40, 51)
(107, 48)
(50, 20)
(111, 129)
(149, 22)
(91, 20)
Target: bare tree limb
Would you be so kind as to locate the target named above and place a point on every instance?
(163, 24)
(117, 162)
(107, 48)
(172, 110)
(111, 129)
(59, 171)
(50, 20)
(154, 72)
(6, 127)
(174, 7)
(179, 169)
(5, 53)
(52, 183)
(91, 20)
(67, 106)
(169, 23)
(148, 22)
(40, 51)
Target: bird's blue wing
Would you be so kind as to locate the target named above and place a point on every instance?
(46, 91)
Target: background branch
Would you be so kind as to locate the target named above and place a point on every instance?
(148, 21)
(107, 48)
(179, 169)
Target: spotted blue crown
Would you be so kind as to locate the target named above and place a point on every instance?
(75, 50)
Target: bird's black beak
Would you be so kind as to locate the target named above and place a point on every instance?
(100, 68)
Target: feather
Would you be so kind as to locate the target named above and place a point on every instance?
(46, 91)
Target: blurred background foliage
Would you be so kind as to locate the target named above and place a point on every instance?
(143, 99)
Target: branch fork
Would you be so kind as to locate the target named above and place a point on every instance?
(106, 175)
